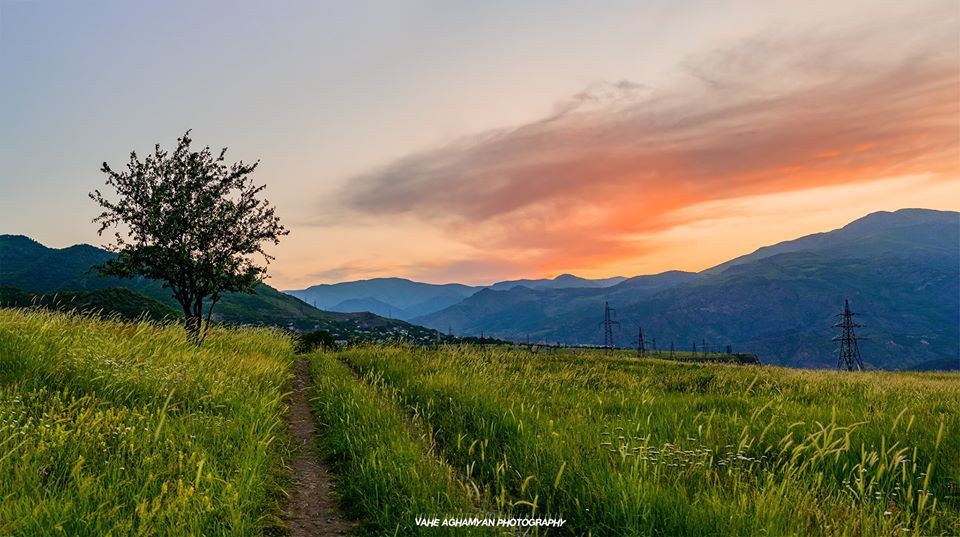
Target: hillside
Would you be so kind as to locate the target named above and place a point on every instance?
(900, 270)
(28, 265)
(877, 234)
(114, 301)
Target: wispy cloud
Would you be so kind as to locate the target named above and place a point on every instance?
(490, 269)
(776, 113)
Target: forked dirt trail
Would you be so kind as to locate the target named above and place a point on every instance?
(311, 510)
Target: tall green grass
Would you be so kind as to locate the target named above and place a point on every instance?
(111, 428)
(389, 475)
(620, 446)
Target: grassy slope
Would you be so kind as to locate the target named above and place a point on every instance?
(626, 447)
(116, 301)
(112, 428)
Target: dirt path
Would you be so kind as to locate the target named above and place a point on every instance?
(311, 510)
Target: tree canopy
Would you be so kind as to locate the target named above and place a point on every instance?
(190, 220)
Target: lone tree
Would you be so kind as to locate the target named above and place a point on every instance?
(191, 221)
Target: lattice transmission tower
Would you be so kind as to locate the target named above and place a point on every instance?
(641, 344)
(607, 325)
(848, 352)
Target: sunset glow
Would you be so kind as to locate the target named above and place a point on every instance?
(498, 148)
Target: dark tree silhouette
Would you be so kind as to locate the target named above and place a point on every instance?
(191, 221)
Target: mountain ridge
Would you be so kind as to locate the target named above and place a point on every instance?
(900, 269)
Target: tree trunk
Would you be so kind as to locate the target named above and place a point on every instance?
(206, 325)
(193, 319)
(192, 325)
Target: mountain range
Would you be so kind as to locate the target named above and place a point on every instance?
(900, 270)
(32, 272)
(399, 298)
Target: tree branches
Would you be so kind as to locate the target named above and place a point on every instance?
(190, 220)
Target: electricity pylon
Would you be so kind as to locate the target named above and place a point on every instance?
(607, 324)
(848, 351)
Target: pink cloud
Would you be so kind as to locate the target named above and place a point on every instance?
(774, 114)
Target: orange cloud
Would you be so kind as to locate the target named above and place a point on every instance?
(773, 115)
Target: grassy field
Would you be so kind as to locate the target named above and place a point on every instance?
(110, 428)
(620, 446)
(389, 474)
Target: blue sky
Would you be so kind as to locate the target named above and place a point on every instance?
(374, 119)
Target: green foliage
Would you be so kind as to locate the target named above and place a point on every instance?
(317, 339)
(624, 446)
(191, 221)
(119, 302)
(110, 428)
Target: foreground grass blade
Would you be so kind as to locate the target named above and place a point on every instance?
(109, 428)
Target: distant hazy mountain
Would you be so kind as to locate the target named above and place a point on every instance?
(400, 298)
(30, 266)
(373, 306)
(900, 270)
(563, 281)
(397, 298)
(520, 311)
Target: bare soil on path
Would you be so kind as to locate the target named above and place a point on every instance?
(312, 510)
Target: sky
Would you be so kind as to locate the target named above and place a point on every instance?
(482, 141)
